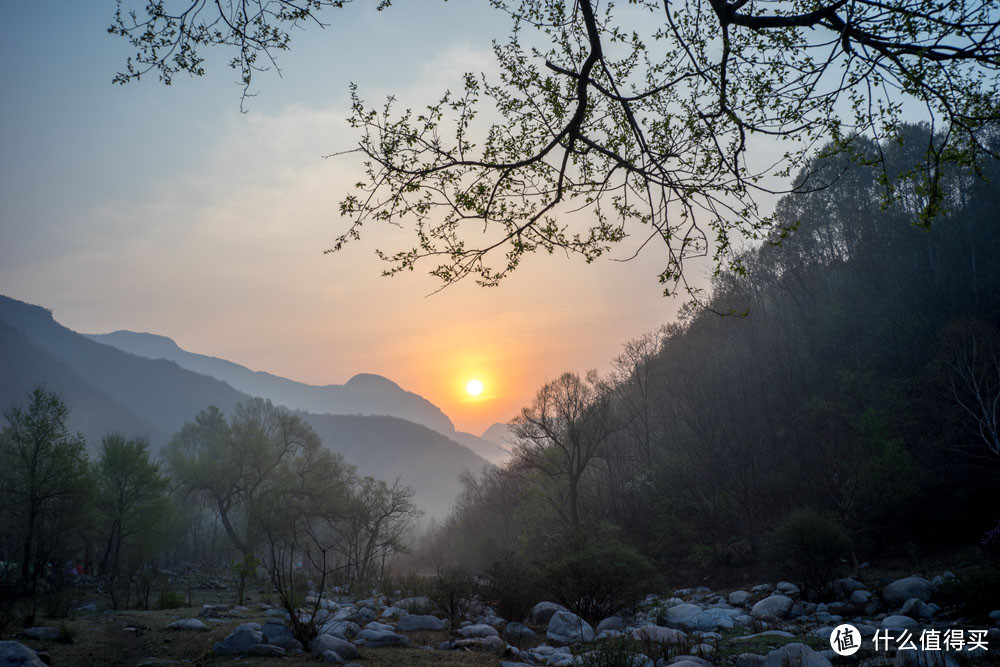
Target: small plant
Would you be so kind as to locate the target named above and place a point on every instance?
(244, 570)
(67, 633)
(170, 600)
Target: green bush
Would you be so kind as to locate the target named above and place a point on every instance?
(170, 600)
(595, 577)
(510, 586)
(811, 549)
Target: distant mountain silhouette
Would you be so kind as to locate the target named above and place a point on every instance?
(363, 394)
(499, 434)
(110, 389)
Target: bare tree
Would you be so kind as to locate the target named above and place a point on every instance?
(975, 382)
(563, 430)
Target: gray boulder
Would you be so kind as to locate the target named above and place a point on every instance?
(775, 606)
(417, 605)
(568, 628)
(659, 635)
(323, 643)
(543, 611)
(860, 596)
(795, 655)
(16, 654)
(187, 624)
(679, 616)
(995, 617)
(714, 618)
(749, 660)
(901, 590)
(787, 588)
(420, 622)
(918, 609)
(239, 640)
(739, 598)
(266, 651)
(332, 657)
(380, 638)
(478, 630)
(41, 632)
(342, 629)
(515, 630)
(279, 634)
(610, 623)
(899, 622)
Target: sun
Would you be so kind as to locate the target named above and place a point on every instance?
(474, 387)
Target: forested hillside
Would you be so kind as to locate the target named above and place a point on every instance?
(840, 390)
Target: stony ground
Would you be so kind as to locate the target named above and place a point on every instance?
(768, 625)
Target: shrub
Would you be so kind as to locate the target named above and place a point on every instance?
(452, 591)
(67, 633)
(597, 576)
(810, 548)
(975, 593)
(170, 600)
(510, 586)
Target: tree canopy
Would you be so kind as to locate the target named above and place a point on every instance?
(640, 123)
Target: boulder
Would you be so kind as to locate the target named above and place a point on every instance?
(417, 605)
(690, 659)
(787, 588)
(16, 654)
(843, 588)
(749, 660)
(381, 627)
(901, 590)
(860, 597)
(279, 634)
(659, 635)
(342, 629)
(899, 622)
(187, 624)
(515, 630)
(714, 618)
(918, 609)
(795, 655)
(323, 643)
(380, 638)
(775, 606)
(332, 657)
(420, 622)
(568, 628)
(679, 616)
(41, 632)
(239, 640)
(478, 630)
(610, 623)
(739, 598)
(543, 611)
(995, 617)
(266, 651)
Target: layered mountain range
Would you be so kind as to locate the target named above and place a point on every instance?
(145, 384)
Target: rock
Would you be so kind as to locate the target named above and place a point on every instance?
(739, 598)
(266, 651)
(342, 629)
(568, 628)
(417, 605)
(843, 588)
(279, 634)
(762, 589)
(918, 609)
(995, 617)
(898, 622)
(901, 590)
(41, 632)
(714, 618)
(154, 662)
(478, 630)
(860, 597)
(16, 654)
(542, 612)
(276, 613)
(920, 658)
(488, 643)
(332, 656)
(420, 622)
(87, 609)
(749, 660)
(380, 638)
(787, 588)
(323, 643)
(795, 655)
(515, 630)
(688, 659)
(679, 616)
(239, 640)
(610, 623)
(659, 635)
(380, 627)
(188, 624)
(776, 606)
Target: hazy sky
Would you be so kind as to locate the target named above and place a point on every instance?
(164, 209)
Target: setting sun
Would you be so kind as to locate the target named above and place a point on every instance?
(474, 387)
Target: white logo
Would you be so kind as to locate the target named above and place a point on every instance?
(845, 639)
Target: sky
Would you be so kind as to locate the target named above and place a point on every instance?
(167, 210)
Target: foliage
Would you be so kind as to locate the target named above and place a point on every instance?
(811, 549)
(44, 487)
(510, 585)
(596, 576)
(637, 121)
(975, 592)
(170, 600)
(452, 590)
(626, 652)
(244, 569)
